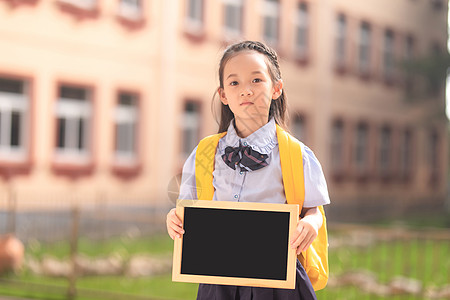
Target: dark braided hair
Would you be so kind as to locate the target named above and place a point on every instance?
(277, 108)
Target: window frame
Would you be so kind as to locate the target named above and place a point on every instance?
(238, 5)
(433, 156)
(364, 49)
(341, 42)
(127, 169)
(129, 12)
(195, 25)
(66, 109)
(389, 39)
(124, 114)
(338, 169)
(437, 5)
(361, 167)
(184, 125)
(302, 24)
(385, 151)
(303, 136)
(84, 8)
(408, 56)
(271, 10)
(406, 151)
(9, 103)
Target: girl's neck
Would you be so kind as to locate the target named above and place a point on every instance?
(246, 127)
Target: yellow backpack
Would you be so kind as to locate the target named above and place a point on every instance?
(315, 259)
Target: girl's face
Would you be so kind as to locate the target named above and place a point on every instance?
(248, 88)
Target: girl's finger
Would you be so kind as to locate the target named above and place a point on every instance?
(170, 232)
(295, 236)
(302, 241)
(174, 218)
(176, 223)
(297, 241)
(173, 234)
(177, 229)
(306, 243)
(301, 238)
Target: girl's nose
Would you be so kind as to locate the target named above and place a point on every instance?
(246, 92)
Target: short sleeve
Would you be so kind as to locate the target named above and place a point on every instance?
(316, 191)
(188, 188)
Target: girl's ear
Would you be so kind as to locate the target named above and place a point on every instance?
(222, 96)
(277, 89)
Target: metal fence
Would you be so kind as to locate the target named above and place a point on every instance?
(366, 262)
(65, 225)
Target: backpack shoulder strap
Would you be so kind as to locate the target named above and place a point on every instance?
(291, 167)
(204, 165)
(315, 259)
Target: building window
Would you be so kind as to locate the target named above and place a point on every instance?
(341, 38)
(437, 5)
(271, 11)
(302, 36)
(14, 111)
(73, 114)
(388, 55)
(337, 147)
(233, 18)
(433, 156)
(406, 155)
(126, 119)
(435, 84)
(436, 49)
(385, 151)
(81, 4)
(194, 16)
(190, 127)
(130, 9)
(299, 127)
(408, 58)
(364, 48)
(409, 48)
(361, 157)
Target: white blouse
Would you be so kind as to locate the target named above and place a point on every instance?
(263, 185)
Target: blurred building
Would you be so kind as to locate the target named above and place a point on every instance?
(104, 100)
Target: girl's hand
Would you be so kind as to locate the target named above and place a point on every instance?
(307, 229)
(303, 236)
(174, 225)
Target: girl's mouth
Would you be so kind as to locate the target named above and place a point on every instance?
(246, 103)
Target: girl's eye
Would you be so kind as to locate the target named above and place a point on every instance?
(234, 83)
(256, 80)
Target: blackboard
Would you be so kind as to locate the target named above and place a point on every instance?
(237, 243)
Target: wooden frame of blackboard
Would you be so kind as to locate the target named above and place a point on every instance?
(288, 282)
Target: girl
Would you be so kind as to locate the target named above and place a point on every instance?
(253, 101)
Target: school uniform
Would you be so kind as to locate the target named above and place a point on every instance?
(262, 185)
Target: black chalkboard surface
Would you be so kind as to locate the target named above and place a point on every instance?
(238, 243)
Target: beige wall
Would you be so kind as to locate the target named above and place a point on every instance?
(167, 65)
(50, 46)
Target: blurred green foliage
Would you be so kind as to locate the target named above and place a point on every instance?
(422, 259)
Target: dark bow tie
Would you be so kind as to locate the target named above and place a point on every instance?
(247, 158)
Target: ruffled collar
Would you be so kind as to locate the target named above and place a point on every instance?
(262, 140)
